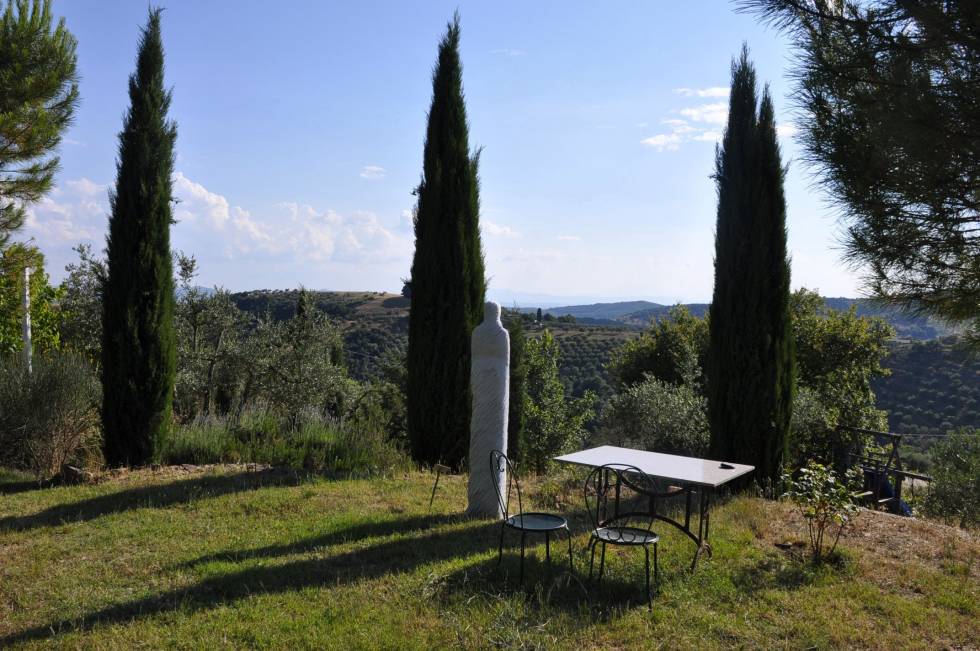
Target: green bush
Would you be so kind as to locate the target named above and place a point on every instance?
(316, 443)
(659, 416)
(825, 501)
(48, 417)
(954, 493)
(552, 424)
(673, 350)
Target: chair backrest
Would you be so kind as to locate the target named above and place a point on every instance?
(500, 463)
(620, 495)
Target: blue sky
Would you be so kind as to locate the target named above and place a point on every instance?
(300, 130)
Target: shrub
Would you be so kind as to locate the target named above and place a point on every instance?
(954, 493)
(824, 500)
(552, 424)
(658, 416)
(315, 443)
(672, 350)
(50, 416)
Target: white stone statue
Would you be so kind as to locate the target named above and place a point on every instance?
(490, 385)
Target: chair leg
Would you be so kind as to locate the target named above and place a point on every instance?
(500, 548)
(592, 545)
(656, 569)
(646, 551)
(571, 568)
(547, 546)
(602, 561)
(523, 536)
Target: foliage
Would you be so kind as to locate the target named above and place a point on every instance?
(517, 388)
(315, 443)
(888, 94)
(229, 361)
(447, 272)
(552, 424)
(45, 316)
(138, 348)
(50, 415)
(673, 350)
(210, 331)
(659, 416)
(751, 368)
(824, 500)
(299, 365)
(38, 96)
(954, 493)
(81, 304)
(838, 355)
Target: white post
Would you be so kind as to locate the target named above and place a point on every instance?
(490, 385)
(28, 348)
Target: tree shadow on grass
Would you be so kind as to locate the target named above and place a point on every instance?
(549, 591)
(386, 527)
(774, 571)
(404, 554)
(152, 496)
(23, 486)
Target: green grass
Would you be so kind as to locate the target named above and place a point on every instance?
(279, 560)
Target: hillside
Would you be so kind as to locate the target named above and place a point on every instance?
(933, 387)
(374, 324)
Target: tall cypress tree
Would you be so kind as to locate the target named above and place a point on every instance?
(447, 272)
(138, 351)
(751, 363)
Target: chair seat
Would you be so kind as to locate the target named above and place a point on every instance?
(537, 522)
(625, 536)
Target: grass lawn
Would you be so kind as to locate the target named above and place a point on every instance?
(229, 558)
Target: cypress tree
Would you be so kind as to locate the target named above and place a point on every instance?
(447, 272)
(751, 363)
(138, 351)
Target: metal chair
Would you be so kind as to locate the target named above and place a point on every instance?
(531, 522)
(609, 490)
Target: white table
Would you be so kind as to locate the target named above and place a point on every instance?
(692, 475)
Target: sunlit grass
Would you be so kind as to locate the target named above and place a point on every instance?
(279, 560)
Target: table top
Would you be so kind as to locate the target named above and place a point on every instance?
(686, 470)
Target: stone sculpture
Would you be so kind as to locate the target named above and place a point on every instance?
(490, 386)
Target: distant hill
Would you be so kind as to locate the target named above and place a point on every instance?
(604, 311)
(639, 314)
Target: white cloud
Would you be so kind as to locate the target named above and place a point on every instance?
(713, 91)
(290, 231)
(663, 141)
(715, 113)
(372, 172)
(569, 238)
(70, 214)
(509, 52)
(786, 130)
(406, 221)
(497, 230)
(700, 123)
(86, 187)
(707, 136)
